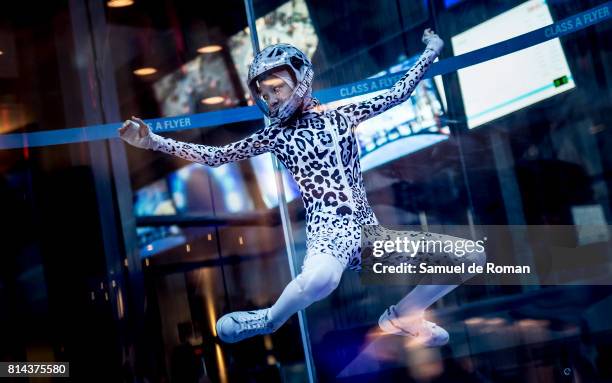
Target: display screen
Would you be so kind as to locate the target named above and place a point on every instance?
(266, 180)
(230, 189)
(188, 191)
(191, 189)
(154, 199)
(501, 86)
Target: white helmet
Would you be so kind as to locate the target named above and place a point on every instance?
(273, 58)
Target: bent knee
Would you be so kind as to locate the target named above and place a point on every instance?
(320, 282)
(479, 258)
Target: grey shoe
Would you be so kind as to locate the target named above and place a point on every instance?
(239, 325)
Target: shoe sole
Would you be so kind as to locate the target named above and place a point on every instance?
(385, 325)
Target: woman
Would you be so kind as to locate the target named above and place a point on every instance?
(319, 149)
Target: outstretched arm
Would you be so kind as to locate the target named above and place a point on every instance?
(137, 133)
(401, 91)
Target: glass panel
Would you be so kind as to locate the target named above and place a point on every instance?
(57, 302)
(120, 260)
(489, 144)
(130, 256)
(210, 236)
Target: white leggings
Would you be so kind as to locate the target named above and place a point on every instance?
(321, 275)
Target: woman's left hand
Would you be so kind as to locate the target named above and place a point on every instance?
(432, 40)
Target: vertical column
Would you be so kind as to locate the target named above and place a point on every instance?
(285, 220)
(111, 175)
(513, 204)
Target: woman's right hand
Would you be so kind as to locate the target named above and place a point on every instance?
(136, 132)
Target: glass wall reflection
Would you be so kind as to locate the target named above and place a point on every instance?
(209, 237)
(121, 260)
(511, 141)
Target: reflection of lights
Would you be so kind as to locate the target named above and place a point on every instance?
(179, 199)
(413, 344)
(146, 261)
(593, 129)
(234, 202)
(93, 296)
(145, 71)
(184, 173)
(210, 237)
(240, 240)
(265, 175)
(206, 276)
(486, 325)
(119, 3)
(474, 321)
(210, 299)
(210, 49)
(221, 364)
(268, 342)
(377, 348)
(271, 360)
(120, 309)
(383, 152)
(113, 283)
(495, 321)
(213, 100)
(268, 345)
(125, 262)
(532, 323)
(220, 171)
(149, 247)
(1, 53)
(424, 363)
(232, 188)
(188, 248)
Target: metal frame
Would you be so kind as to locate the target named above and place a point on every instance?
(285, 219)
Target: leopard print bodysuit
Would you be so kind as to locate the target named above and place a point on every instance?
(320, 150)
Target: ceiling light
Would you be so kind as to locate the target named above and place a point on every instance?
(210, 49)
(145, 71)
(119, 3)
(213, 100)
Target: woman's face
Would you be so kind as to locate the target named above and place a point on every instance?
(274, 91)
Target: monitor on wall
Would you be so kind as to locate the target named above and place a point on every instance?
(498, 87)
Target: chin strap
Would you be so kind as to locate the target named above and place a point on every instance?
(307, 105)
(310, 102)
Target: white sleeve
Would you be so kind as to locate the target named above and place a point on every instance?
(257, 143)
(400, 92)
